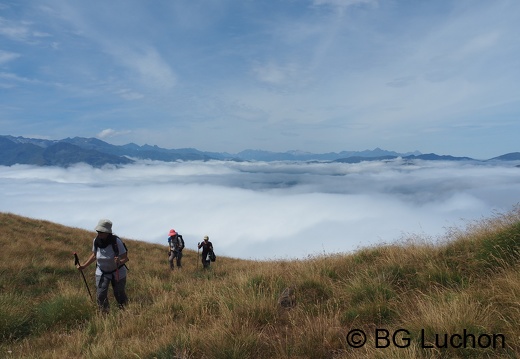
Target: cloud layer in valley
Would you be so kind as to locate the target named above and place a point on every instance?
(266, 210)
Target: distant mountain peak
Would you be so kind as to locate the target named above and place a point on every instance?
(96, 152)
(513, 156)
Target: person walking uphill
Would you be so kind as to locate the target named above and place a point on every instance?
(207, 247)
(111, 255)
(176, 244)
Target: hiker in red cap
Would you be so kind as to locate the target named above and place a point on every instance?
(176, 245)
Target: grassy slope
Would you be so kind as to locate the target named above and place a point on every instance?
(471, 281)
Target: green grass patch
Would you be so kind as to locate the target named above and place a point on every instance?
(63, 312)
(501, 249)
(16, 317)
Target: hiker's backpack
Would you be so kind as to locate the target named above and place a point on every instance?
(177, 239)
(180, 241)
(212, 256)
(115, 247)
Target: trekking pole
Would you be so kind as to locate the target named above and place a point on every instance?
(117, 268)
(76, 262)
(198, 249)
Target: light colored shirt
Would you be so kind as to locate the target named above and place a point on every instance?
(105, 259)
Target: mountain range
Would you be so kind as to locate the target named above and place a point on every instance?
(97, 153)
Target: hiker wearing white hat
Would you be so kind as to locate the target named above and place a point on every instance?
(207, 250)
(111, 255)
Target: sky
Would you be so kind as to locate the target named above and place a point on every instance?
(264, 211)
(312, 75)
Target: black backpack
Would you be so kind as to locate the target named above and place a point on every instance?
(212, 256)
(177, 239)
(180, 241)
(115, 247)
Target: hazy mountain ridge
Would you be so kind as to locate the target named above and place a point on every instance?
(260, 155)
(53, 153)
(95, 152)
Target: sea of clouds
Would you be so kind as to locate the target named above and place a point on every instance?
(259, 210)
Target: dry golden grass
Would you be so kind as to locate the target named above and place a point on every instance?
(465, 283)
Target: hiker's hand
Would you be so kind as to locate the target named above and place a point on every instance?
(79, 266)
(116, 259)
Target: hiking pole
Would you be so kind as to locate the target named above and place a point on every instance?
(117, 268)
(198, 249)
(76, 262)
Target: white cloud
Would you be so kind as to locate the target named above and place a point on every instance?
(16, 78)
(129, 94)
(270, 73)
(106, 133)
(150, 66)
(345, 3)
(6, 56)
(109, 133)
(19, 31)
(261, 210)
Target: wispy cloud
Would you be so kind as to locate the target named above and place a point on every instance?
(355, 73)
(108, 133)
(19, 31)
(6, 56)
(150, 67)
(275, 74)
(342, 5)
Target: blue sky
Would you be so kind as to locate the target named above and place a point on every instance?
(319, 75)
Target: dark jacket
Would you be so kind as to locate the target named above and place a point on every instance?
(176, 242)
(206, 247)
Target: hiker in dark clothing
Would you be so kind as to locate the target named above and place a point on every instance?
(207, 247)
(111, 255)
(176, 245)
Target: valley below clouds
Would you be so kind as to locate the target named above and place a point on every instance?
(267, 210)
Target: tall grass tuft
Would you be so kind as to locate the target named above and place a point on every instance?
(16, 317)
